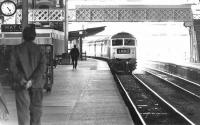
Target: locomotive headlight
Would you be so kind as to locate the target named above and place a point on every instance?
(132, 51)
(113, 54)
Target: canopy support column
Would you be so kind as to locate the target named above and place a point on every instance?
(194, 55)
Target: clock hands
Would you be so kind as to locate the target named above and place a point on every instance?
(9, 9)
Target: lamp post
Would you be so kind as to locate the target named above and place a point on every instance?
(81, 44)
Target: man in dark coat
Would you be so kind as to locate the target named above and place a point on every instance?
(27, 65)
(3, 107)
(74, 55)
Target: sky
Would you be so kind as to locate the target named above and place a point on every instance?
(73, 3)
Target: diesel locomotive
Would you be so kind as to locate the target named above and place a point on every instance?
(119, 50)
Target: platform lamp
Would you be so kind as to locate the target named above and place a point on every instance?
(81, 44)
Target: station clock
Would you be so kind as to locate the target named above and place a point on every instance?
(8, 8)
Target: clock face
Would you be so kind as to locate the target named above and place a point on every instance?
(8, 8)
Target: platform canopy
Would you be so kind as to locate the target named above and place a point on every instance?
(85, 33)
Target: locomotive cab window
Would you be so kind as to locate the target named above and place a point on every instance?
(129, 42)
(117, 42)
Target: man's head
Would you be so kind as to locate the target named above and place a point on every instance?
(74, 46)
(29, 33)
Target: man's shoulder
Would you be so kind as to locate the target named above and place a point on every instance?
(26, 44)
(77, 50)
(72, 49)
(32, 46)
(17, 47)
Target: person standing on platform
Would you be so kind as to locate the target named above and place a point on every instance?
(74, 55)
(28, 65)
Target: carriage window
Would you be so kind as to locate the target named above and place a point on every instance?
(129, 42)
(117, 42)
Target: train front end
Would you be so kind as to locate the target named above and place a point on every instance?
(123, 53)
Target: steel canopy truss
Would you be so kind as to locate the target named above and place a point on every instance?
(107, 13)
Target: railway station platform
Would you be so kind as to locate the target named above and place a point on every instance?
(188, 71)
(86, 96)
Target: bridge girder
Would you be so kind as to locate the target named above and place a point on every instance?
(122, 13)
(134, 13)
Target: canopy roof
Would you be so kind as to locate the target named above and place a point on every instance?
(85, 33)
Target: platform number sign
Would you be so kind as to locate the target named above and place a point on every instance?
(8, 8)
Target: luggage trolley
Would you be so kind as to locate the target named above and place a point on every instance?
(51, 41)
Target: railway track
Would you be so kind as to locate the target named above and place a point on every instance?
(182, 98)
(146, 106)
(181, 93)
(181, 83)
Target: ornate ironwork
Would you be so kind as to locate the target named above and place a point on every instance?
(71, 14)
(41, 15)
(183, 15)
(124, 15)
(196, 16)
(97, 14)
(111, 14)
(139, 15)
(84, 14)
(166, 14)
(136, 13)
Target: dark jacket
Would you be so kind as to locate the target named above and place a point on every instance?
(28, 61)
(3, 106)
(74, 53)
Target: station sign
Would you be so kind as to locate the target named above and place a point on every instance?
(11, 28)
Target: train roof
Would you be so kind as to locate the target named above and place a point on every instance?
(122, 35)
(99, 40)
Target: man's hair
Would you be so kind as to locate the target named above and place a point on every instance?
(74, 46)
(29, 33)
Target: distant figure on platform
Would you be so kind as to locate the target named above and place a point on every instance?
(74, 55)
(28, 65)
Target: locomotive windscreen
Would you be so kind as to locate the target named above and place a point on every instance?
(129, 42)
(117, 42)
